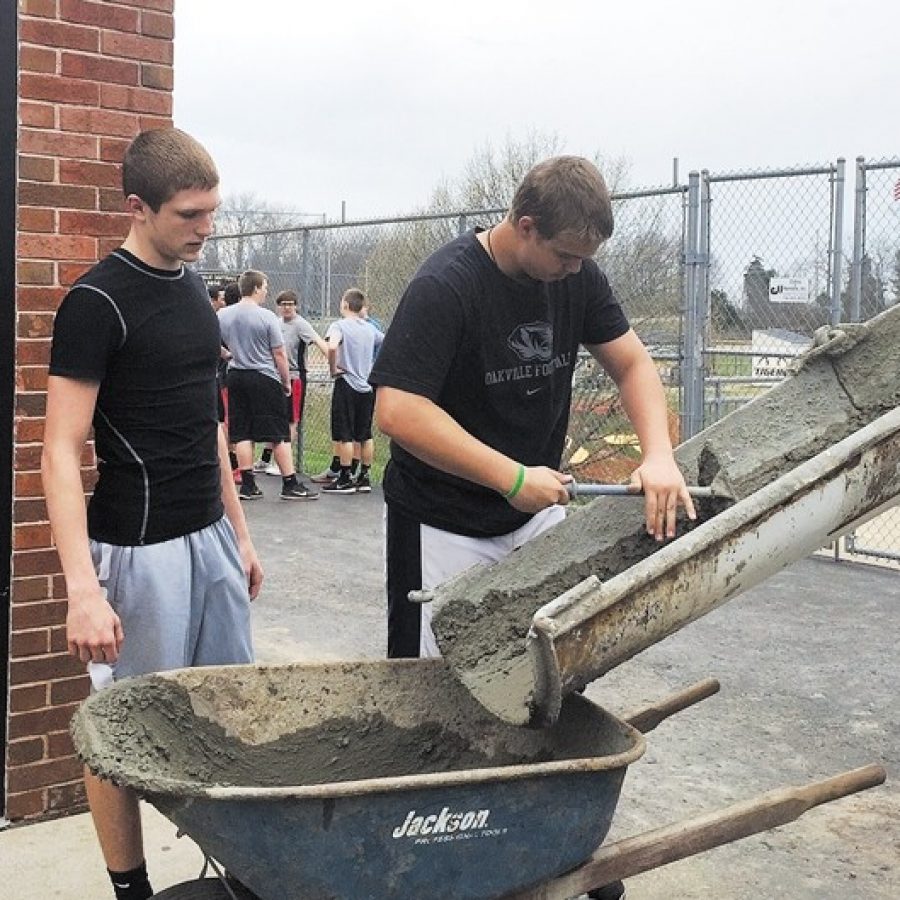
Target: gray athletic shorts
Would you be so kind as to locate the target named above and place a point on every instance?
(183, 602)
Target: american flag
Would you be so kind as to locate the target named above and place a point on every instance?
(897, 190)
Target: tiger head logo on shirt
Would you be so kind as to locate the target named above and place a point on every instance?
(532, 341)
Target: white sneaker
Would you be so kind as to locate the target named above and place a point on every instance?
(272, 469)
(260, 466)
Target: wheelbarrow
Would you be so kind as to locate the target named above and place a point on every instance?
(386, 779)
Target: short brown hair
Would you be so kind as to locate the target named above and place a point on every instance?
(287, 297)
(250, 281)
(565, 194)
(232, 293)
(163, 161)
(355, 299)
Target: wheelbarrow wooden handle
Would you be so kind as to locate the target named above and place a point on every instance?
(662, 846)
(648, 717)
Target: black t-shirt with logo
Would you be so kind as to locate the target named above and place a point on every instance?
(498, 356)
(151, 339)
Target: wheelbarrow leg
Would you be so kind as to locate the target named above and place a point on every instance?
(646, 719)
(662, 846)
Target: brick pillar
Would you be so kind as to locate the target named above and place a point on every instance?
(92, 74)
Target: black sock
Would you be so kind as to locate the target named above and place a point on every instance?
(266, 455)
(363, 469)
(288, 480)
(335, 464)
(345, 473)
(354, 465)
(247, 479)
(131, 885)
(232, 458)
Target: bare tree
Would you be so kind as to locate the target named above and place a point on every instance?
(487, 182)
(244, 216)
(492, 174)
(643, 257)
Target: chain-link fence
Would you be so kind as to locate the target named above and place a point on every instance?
(874, 285)
(725, 279)
(643, 260)
(767, 243)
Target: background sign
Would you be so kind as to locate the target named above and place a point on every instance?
(789, 290)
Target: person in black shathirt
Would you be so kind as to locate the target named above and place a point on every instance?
(159, 567)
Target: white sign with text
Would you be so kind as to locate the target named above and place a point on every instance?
(789, 290)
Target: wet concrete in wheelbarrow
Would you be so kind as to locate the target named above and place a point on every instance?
(153, 717)
(294, 726)
(155, 720)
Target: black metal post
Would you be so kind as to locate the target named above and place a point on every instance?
(8, 140)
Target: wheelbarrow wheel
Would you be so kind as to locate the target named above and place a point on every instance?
(203, 889)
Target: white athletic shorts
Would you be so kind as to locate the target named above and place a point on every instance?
(442, 554)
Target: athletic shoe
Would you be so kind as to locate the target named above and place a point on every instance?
(363, 485)
(272, 469)
(615, 890)
(325, 477)
(298, 491)
(339, 486)
(248, 492)
(260, 465)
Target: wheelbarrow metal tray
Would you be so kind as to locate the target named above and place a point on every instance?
(380, 779)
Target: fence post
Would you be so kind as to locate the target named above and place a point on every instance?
(837, 248)
(304, 271)
(462, 225)
(859, 240)
(703, 299)
(692, 346)
(304, 304)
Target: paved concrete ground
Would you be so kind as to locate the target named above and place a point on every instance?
(809, 672)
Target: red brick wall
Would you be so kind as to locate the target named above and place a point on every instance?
(92, 74)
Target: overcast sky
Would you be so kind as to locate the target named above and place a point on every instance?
(309, 103)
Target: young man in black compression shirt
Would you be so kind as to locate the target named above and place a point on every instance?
(160, 569)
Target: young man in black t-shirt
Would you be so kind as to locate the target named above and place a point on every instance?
(474, 382)
(160, 569)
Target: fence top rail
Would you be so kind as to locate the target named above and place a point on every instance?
(829, 169)
(358, 223)
(650, 192)
(880, 164)
(424, 217)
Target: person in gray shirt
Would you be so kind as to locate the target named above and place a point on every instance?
(258, 382)
(298, 335)
(352, 344)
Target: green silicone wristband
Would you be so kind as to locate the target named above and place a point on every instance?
(520, 480)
